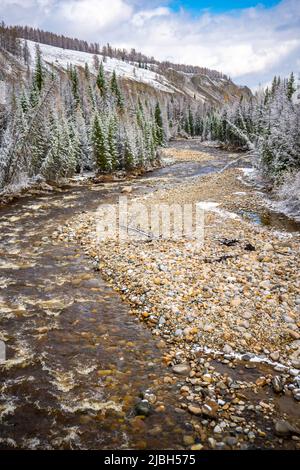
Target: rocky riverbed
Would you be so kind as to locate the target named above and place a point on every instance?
(150, 344)
(226, 313)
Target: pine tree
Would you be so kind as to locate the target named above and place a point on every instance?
(101, 82)
(38, 79)
(128, 154)
(69, 149)
(159, 125)
(191, 122)
(24, 102)
(115, 90)
(75, 85)
(291, 88)
(87, 73)
(51, 166)
(113, 141)
(80, 127)
(100, 145)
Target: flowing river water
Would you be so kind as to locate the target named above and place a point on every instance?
(77, 361)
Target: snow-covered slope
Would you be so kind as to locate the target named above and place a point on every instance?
(64, 57)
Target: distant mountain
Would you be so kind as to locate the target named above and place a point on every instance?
(194, 86)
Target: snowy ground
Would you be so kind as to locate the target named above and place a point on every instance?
(64, 57)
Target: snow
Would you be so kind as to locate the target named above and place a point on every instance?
(214, 207)
(64, 57)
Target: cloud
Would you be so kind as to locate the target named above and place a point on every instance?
(143, 16)
(93, 15)
(251, 45)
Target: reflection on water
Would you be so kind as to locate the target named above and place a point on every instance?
(271, 219)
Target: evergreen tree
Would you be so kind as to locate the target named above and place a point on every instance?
(191, 122)
(291, 88)
(100, 145)
(101, 81)
(38, 79)
(115, 90)
(159, 125)
(75, 85)
(128, 154)
(113, 141)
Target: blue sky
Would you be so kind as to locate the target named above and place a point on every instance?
(250, 40)
(218, 6)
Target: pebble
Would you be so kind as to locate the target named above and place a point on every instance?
(212, 442)
(275, 356)
(143, 408)
(181, 369)
(197, 447)
(217, 430)
(188, 440)
(284, 428)
(195, 410)
(231, 441)
(277, 384)
(227, 349)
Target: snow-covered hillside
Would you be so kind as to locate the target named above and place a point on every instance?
(64, 57)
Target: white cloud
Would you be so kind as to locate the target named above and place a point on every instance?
(93, 15)
(250, 45)
(142, 16)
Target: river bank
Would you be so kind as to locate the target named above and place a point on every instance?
(83, 371)
(234, 300)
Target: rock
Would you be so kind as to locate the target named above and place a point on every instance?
(294, 372)
(296, 363)
(217, 429)
(181, 369)
(220, 445)
(249, 247)
(188, 440)
(265, 285)
(212, 442)
(261, 381)
(210, 408)
(277, 384)
(268, 247)
(195, 410)
(207, 378)
(150, 397)
(235, 302)
(197, 447)
(127, 189)
(230, 441)
(245, 324)
(178, 332)
(275, 356)
(284, 428)
(143, 408)
(168, 380)
(227, 349)
(296, 394)
(288, 319)
(247, 315)
(293, 334)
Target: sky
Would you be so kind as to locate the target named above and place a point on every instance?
(250, 40)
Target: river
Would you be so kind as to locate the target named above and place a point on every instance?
(77, 360)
